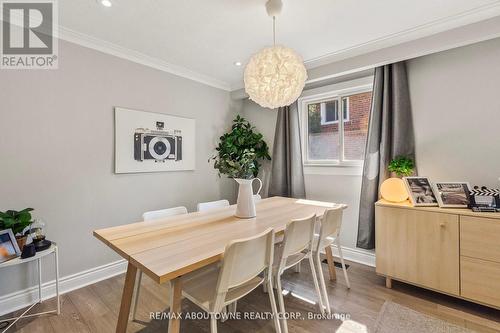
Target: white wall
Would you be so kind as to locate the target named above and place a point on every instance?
(57, 151)
(456, 113)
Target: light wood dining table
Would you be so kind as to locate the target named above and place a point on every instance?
(166, 249)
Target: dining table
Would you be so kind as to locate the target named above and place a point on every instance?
(169, 248)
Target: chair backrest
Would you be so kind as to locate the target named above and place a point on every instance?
(330, 225)
(299, 235)
(203, 206)
(244, 259)
(162, 213)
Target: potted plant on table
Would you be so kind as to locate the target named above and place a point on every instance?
(17, 221)
(238, 156)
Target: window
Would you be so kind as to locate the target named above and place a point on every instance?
(332, 137)
(329, 111)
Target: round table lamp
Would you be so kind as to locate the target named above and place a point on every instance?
(394, 190)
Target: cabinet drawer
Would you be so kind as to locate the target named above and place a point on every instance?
(480, 238)
(480, 280)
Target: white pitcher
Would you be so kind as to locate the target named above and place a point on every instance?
(245, 206)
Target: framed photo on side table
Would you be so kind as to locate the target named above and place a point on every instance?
(8, 246)
(452, 194)
(420, 191)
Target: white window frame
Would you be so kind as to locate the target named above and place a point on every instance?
(323, 115)
(303, 114)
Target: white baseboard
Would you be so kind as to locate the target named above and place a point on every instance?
(356, 255)
(23, 298)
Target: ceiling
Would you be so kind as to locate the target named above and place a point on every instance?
(201, 39)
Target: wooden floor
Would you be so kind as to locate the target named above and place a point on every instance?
(95, 307)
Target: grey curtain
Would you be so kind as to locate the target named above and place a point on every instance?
(287, 174)
(390, 134)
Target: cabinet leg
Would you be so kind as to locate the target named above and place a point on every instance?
(388, 282)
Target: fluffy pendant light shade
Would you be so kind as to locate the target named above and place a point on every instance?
(275, 77)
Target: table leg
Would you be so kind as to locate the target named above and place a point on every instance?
(128, 289)
(56, 256)
(331, 264)
(39, 280)
(174, 322)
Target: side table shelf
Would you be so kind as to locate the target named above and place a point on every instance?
(38, 257)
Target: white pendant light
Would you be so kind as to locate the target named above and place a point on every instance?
(276, 75)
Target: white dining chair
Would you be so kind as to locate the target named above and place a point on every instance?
(246, 265)
(297, 245)
(162, 213)
(204, 206)
(329, 234)
(149, 216)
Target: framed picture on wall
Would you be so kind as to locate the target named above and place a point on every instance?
(420, 191)
(8, 246)
(452, 194)
(153, 142)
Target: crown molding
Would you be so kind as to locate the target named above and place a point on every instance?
(138, 57)
(440, 25)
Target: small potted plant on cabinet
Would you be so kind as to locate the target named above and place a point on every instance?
(17, 221)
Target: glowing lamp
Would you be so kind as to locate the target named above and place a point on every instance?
(394, 190)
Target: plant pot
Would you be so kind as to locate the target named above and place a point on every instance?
(245, 206)
(21, 241)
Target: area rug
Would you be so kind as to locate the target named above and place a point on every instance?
(395, 318)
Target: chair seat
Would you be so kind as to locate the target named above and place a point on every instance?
(328, 241)
(292, 260)
(200, 287)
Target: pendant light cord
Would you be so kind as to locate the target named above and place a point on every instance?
(274, 30)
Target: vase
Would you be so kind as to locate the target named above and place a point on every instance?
(245, 206)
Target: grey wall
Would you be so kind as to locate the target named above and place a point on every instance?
(456, 113)
(57, 143)
(457, 124)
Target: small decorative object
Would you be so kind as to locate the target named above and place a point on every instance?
(153, 142)
(238, 155)
(17, 221)
(420, 191)
(393, 189)
(29, 251)
(276, 75)
(8, 246)
(484, 199)
(452, 194)
(38, 235)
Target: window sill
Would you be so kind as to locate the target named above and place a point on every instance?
(333, 170)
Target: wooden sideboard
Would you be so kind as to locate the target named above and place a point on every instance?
(453, 251)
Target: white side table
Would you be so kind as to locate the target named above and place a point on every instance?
(38, 257)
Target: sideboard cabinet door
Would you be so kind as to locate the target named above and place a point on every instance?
(419, 247)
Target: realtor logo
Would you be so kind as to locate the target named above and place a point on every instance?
(28, 34)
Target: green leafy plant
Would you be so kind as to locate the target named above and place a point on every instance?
(15, 220)
(402, 166)
(240, 150)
